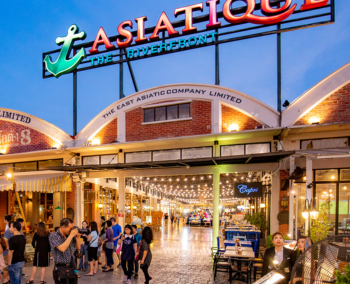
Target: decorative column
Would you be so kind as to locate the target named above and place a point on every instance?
(308, 190)
(275, 202)
(291, 200)
(79, 203)
(121, 201)
(216, 204)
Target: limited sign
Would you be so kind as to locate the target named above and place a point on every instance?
(248, 189)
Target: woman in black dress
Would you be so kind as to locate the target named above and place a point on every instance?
(42, 252)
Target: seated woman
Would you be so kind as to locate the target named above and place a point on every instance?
(278, 258)
(302, 244)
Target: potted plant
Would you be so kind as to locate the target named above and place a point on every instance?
(343, 278)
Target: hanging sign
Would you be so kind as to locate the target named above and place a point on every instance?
(248, 189)
(141, 43)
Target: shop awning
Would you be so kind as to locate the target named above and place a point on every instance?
(42, 182)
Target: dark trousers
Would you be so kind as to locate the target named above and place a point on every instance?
(109, 255)
(55, 278)
(128, 271)
(136, 264)
(145, 271)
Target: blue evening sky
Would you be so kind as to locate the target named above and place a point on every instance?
(29, 28)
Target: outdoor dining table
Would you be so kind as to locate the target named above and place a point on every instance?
(238, 258)
(243, 248)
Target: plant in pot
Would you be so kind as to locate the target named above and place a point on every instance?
(321, 226)
(343, 278)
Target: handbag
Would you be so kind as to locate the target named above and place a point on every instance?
(67, 272)
(78, 254)
(137, 257)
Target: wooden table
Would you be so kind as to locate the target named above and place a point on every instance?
(230, 248)
(245, 254)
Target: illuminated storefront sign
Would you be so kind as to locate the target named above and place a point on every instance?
(273, 12)
(248, 189)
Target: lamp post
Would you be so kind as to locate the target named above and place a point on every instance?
(310, 212)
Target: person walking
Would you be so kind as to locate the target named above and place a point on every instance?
(129, 248)
(83, 265)
(16, 259)
(117, 232)
(109, 247)
(64, 242)
(7, 219)
(138, 243)
(93, 248)
(145, 252)
(42, 252)
(102, 232)
(7, 237)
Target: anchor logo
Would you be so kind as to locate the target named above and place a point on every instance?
(63, 65)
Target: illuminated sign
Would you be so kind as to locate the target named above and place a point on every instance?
(248, 189)
(273, 12)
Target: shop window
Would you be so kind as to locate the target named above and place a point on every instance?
(5, 167)
(192, 153)
(257, 148)
(326, 175)
(48, 164)
(167, 155)
(345, 174)
(26, 167)
(164, 113)
(324, 143)
(138, 157)
(109, 159)
(344, 208)
(91, 160)
(326, 197)
(232, 150)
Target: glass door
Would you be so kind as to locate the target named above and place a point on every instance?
(344, 208)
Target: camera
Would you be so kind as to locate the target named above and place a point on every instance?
(81, 231)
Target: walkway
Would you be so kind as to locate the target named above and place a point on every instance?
(181, 255)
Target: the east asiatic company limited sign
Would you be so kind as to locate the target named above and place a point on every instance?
(273, 12)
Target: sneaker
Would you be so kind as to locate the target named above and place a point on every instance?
(136, 276)
(125, 278)
(128, 282)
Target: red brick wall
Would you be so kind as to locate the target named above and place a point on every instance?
(232, 116)
(109, 133)
(336, 108)
(17, 138)
(284, 229)
(200, 124)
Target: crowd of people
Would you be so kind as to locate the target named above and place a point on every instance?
(75, 249)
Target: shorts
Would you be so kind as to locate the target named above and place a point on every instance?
(5, 260)
(92, 253)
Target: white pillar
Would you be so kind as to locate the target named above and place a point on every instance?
(275, 200)
(291, 198)
(121, 127)
(216, 116)
(308, 190)
(216, 204)
(121, 201)
(79, 203)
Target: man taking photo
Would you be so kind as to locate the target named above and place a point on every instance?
(17, 245)
(63, 244)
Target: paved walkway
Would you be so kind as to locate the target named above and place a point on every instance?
(180, 255)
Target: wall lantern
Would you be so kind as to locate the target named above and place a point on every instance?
(262, 205)
(284, 202)
(314, 120)
(233, 127)
(95, 142)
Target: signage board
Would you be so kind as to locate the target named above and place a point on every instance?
(248, 189)
(254, 19)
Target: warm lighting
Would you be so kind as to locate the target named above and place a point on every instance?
(56, 146)
(314, 212)
(252, 207)
(333, 177)
(275, 261)
(262, 205)
(3, 151)
(100, 205)
(233, 127)
(289, 235)
(314, 120)
(304, 178)
(9, 175)
(305, 213)
(95, 141)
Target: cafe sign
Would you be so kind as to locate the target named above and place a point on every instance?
(248, 189)
(168, 37)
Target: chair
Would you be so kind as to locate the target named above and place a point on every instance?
(220, 249)
(222, 264)
(242, 270)
(257, 266)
